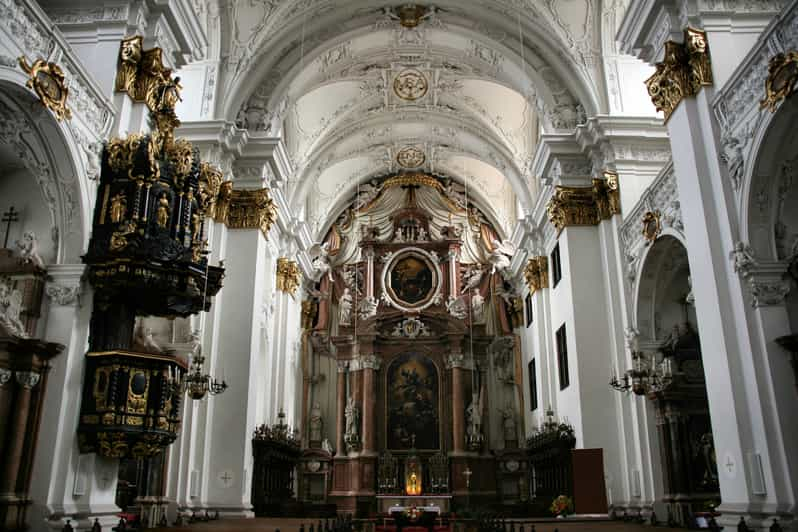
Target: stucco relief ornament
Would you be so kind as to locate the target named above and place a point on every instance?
(742, 256)
(28, 249)
(61, 294)
(10, 309)
(368, 308)
(652, 226)
(47, 81)
(410, 157)
(781, 80)
(410, 85)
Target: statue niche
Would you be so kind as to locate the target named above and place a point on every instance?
(412, 403)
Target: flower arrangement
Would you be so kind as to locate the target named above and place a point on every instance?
(412, 513)
(562, 506)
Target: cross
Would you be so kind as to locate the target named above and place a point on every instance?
(9, 216)
(467, 474)
(729, 464)
(226, 478)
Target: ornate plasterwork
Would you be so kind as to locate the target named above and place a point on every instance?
(288, 275)
(63, 295)
(737, 106)
(410, 84)
(410, 157)
(47, 81)
(536, 273)
(27, 379)
(662, 198)
(683, 71)
(781, 80)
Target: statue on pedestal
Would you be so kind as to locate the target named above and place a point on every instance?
(508, 417)
(316, 425)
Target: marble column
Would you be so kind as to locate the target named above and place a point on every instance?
(16, 445)
(5, 400)
(340, 419)
(370, 365)
(458, 402)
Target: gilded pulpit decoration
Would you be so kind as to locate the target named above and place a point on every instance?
(249, 209)
(608, 195)
(47, 81)
(210, 184)
(652, 226)
(781, 80)
(537, 274)
(685, 68)
(288, 275)
(142, 75)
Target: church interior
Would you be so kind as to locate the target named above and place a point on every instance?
(374, 266)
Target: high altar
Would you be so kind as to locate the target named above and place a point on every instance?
(411, 390)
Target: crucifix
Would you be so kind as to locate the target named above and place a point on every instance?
(467, 474)
(9, 217)
(729, 464)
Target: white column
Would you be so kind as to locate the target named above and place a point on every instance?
(65, 483)
(231, 415)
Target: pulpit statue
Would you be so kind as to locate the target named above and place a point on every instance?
(316, 426)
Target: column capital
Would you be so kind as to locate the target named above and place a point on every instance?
(5, 376)
(765, 280)
(27, 379)
(537, 273)
(370, 362)
(585, 205)
(459, 360)
(288, 275)
(343, 366)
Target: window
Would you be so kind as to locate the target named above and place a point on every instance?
(533, 385)
(562, 357)
(556, 268)
(528, 309)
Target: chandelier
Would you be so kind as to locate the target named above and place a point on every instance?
(198, 384)
(646, 376)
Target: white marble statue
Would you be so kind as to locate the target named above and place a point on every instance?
(477, 305)
(471, 279)
(316, 423)
(321, 261)
(352, 415)
(743, 257)
(345, 308)
(10, 309)
(508, 423)
(327, 446)
(501, 255)
(474, 416)
(368, 308)
(456, 307)
(28, 249)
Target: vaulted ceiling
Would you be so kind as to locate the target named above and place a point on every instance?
(463, 88)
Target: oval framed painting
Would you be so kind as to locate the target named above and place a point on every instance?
(411, 280)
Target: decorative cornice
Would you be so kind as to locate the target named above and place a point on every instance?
(537, 274)
(245, 209)
(585, 205)
(288, 275)
(685, 68)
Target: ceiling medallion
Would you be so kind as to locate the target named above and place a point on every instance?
(47, 80)
(782, 79)
(410, 84)
(410, 157)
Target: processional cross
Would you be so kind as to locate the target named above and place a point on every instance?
(9, 217)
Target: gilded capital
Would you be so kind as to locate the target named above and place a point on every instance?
(288, 275)
(142, 75)
(537, 273)
(210, 183)
(585, 205)
(684, 69)
(245, 209)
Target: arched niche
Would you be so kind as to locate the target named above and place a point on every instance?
(664, 290)
(42, 176)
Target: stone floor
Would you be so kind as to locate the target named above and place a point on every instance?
(292, 525)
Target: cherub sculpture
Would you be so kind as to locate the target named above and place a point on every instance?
(28, 249)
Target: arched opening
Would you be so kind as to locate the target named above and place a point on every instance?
(668, 370)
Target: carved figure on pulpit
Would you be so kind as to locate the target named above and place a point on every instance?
(28, 249)
(143, 340)
(10, 308)
(316, 424)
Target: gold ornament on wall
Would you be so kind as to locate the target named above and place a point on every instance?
(781, 80)
(571, 206)
(537, 274)
(684, 69)
(47, 81)
(652, 226)
(210, 182)
(247, 209)
(288, 275)
(142, 75)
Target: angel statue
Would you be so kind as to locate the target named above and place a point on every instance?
(28, 249)
(143, 340)
(501, 255)
(321, 261)
(471, 279)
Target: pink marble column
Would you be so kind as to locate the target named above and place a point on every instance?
(26, 380)
(370, 366)
(340, 422)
